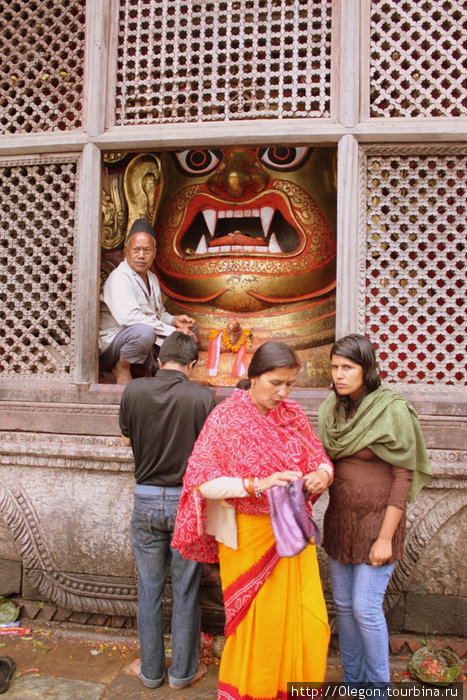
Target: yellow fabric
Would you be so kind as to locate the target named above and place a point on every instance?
(284, 636)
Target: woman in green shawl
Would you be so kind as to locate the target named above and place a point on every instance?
(374, 439)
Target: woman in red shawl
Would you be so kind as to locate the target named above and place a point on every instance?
(276, 622)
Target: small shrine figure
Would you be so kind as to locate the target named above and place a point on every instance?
(233, 338)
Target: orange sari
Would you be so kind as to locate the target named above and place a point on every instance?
(276, 622)
(283, 635)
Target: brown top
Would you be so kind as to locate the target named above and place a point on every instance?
(364, 485)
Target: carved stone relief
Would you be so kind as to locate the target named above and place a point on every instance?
(67, 502)
(69, 516)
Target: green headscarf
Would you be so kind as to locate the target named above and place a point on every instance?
(384, 422)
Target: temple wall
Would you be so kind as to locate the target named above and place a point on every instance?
(66, 500)
(376, 80)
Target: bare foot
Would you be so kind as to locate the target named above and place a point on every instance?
(135, 667)
(121, 372)
(201, 671)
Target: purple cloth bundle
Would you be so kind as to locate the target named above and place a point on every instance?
(292, 524)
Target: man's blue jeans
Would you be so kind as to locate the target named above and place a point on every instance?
(152, 525)
(358, 591)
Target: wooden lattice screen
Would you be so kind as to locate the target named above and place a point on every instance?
(414, 286)
(184, 61)
(417, 65)
(41, 53)
(38, 202)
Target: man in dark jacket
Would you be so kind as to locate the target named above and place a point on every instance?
(161, 417)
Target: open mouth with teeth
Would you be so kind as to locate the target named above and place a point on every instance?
(249, 231)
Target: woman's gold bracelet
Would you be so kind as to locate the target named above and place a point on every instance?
(249, 486)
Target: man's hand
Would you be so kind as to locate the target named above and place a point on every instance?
(183, 321)
(184, 324)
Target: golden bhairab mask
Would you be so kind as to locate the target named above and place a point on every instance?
(245, 234)
(239, 231)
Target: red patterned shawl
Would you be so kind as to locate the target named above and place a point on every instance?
(237, 440)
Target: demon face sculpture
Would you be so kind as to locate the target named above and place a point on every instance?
(245, 234)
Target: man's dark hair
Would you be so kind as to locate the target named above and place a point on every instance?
(179, 348)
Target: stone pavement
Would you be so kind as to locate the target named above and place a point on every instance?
(72, 662)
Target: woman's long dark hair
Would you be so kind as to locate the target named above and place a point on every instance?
(269, 356)
(358, 349)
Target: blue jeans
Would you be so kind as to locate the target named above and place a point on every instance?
(358, 591)
(151, 529)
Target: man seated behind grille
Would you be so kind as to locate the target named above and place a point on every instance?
(133, 320)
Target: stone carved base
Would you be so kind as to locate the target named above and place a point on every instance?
(66, 503)
(68, 506)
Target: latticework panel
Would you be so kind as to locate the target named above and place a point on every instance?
(418, 64)
(203, 60)
(42, 53)
(37, 201)
(415, 288)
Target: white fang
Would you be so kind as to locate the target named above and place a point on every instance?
(274, 246)
(266, 217)
(210, 217)
(202, 246)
